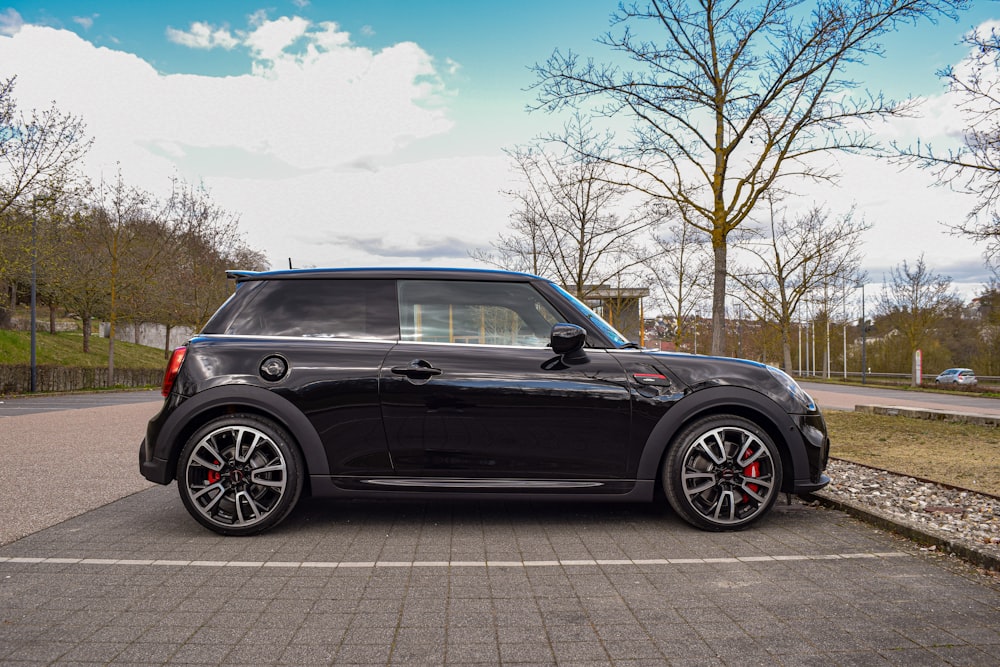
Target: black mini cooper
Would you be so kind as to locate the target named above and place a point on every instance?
(412, 383)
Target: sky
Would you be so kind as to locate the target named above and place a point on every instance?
(373, 133)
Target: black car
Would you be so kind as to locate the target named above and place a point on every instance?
(421, 383)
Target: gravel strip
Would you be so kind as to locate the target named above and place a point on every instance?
(956, 520)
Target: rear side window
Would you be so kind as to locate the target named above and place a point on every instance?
(476, 313)
(320, 309)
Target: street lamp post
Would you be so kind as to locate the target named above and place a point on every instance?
(34, 292)
(864, 337)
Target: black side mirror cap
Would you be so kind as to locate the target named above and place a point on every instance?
(567, 338)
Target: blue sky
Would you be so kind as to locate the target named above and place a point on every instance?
(386, 148)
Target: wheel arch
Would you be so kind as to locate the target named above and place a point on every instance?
(197, 411)
(738, 401)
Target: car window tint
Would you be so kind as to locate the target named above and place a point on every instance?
(479, 313)
(321, 309)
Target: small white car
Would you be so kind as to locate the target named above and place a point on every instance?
(961, 376)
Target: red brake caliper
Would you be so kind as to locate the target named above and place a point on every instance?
(752, 470)
(213, 475)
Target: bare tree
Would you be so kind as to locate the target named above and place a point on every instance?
(913, 302)
(82, 286)
(974, 168)
(38, 151)
(682, 275)
(523, 248)
(122, 218)
(735, 97)
(206, 241)
(568, 223)
(812, 254)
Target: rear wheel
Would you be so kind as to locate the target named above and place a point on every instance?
(722, 473)
(240, 475)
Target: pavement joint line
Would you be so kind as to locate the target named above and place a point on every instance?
(588, 562)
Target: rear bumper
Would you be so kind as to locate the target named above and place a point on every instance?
(154, 469)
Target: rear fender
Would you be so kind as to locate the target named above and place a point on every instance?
(231, 399)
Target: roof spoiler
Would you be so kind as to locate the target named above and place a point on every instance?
(236, 275)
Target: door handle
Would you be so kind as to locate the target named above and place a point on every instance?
(417, 369)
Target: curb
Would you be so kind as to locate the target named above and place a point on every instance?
(964, 550)
(931, 414)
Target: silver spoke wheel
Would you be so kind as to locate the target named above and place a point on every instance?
(724, 473)
(238, 477)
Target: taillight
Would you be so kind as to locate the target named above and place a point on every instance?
(173, 368)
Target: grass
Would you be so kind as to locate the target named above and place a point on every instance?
(964, 455)
(66, 349)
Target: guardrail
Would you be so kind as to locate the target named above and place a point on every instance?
(888, 378)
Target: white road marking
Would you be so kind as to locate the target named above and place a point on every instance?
(329, 565)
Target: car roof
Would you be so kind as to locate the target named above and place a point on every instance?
(437, 273)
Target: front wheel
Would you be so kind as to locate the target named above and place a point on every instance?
(722, 473)
(240, 475)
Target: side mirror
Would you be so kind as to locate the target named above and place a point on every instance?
(567, 338)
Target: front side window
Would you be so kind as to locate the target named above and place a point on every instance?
(477, 313)
(363, 309)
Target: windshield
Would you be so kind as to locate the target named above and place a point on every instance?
(613, 334)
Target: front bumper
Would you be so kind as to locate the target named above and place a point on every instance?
(817, 445)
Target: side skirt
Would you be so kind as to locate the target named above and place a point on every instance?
(428, 488)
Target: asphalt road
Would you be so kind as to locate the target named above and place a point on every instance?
(842, 397)
(26, 405)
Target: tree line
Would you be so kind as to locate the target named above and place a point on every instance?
(107, 251)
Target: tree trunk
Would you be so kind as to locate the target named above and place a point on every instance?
(166, 342)
(786, 348)
(86, 334)
(719, 298)
(111, 352)
(7, 305)
(52, 318)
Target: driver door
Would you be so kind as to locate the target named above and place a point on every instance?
(473, 391)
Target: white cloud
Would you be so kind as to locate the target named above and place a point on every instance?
(85, 22)
(10, 22)
(270, 39)
(203, 36)
(302, 147)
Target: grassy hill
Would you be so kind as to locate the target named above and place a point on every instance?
(66, 349)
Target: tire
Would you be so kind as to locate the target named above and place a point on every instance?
(722, 473)
(240, 475)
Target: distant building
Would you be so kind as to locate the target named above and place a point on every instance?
(620, 306)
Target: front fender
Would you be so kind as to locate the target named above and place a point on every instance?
(730, 400)
(166, 438)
